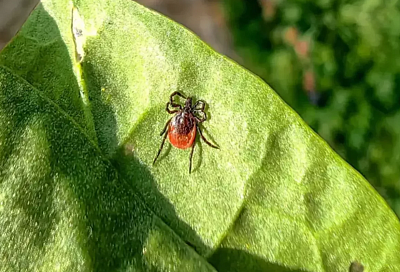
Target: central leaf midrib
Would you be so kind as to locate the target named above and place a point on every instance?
(85, 101)
(86, 106)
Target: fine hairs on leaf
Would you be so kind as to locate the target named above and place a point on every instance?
(78, 136)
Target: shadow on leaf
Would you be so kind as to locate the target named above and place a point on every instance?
(78, 199)
(228, 259)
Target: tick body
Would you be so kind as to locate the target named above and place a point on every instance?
(182, 130)
(183, 127)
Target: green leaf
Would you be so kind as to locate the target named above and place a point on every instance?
(80, 114)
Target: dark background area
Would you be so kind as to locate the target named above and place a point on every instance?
(337, 63)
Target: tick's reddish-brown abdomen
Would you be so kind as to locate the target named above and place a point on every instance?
(182, 130)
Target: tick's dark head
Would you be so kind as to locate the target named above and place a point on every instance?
(188, 103)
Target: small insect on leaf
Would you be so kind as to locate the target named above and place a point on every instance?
(182, 128)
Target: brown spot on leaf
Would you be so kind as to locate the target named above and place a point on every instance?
(356, 267)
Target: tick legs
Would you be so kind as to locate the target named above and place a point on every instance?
(165, 127)
(161, 147)
(163, 141)
(171, 99)
(194, 143)
(200, 103)
(205, 140)
(201, 120)
(172, 111)
(191, 158)
(199, 109)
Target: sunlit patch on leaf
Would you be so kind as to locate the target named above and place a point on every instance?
(78, 189)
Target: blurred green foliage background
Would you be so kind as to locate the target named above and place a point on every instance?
(337, 63)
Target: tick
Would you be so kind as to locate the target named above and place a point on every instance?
(182, 128)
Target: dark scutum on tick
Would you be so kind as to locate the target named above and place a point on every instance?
(181, 129)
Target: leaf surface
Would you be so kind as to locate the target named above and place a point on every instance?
(83, 89)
